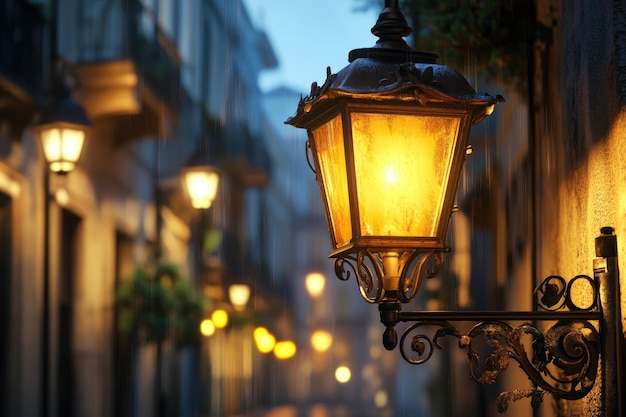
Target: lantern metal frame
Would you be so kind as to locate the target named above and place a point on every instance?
(559, 347)
(391, 78)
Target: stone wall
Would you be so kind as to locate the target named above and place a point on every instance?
(580, 142)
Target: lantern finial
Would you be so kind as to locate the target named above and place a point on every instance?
(391, 27)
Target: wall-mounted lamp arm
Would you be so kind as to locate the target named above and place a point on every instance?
(561, 358)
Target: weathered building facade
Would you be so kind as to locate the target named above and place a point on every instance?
(165, 84)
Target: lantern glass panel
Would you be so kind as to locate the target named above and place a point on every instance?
(62, 147)
(329, 149)
(239, 295)
(402, 164)
(201, 185)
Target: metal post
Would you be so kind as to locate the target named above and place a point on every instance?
(52, 95)
(45, 350)
(606, 271)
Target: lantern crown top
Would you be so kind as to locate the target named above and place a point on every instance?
(64, 109)
(391, 28)
(391, 70)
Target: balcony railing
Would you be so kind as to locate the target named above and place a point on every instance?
(128, 30)
(155, 55)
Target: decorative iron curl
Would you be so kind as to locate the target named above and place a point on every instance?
(563, 360)
(307, 152)
(367, 267)
(431, 273)
(422, 344)
(369, 278)
(556, 294)
(411, 277)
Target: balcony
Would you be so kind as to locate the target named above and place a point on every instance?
(240, 153)
(21, 63)
(129, 72)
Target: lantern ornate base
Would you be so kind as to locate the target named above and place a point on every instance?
(389, 275)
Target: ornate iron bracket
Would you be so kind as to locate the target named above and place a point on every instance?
(560, 357)
(561, 360)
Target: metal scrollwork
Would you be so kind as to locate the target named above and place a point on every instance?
(555, 293)
(431, 273)
(413, 270)
(368, 276)
(367, 267)
(409, 73)
(421, 345)
(563, 360)
(307, 151)
(316, 90)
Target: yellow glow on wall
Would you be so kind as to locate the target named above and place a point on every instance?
(343, 374)
(285, 349)
(582, 293)
(219, 318)
(380, 398)
(207, 328)
(8, 185)
(62, 196)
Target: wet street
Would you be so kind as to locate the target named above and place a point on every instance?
(318, 410)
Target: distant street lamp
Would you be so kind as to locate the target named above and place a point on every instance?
(207, 327)
(200, 183)
(239, 294)
(219, 318)
(343, 374)
(62, 130)
(321, 340)
(285, 349)
(315, 283)
(264, 340)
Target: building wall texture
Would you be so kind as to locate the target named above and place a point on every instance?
(580, 118)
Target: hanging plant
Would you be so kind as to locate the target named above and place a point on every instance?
(157, 303)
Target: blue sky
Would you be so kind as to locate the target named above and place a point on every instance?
(308, 36)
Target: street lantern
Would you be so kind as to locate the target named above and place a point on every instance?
(62, 131)
(239, 294)
(200, 183)
(388, 135)
(265, 341)
(315, 283)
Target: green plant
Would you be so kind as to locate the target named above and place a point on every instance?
(493, 37)
(157, 303)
